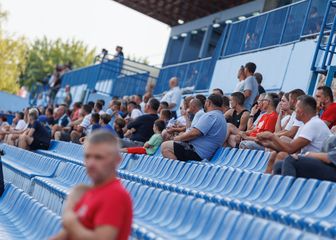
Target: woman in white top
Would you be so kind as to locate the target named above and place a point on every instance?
(284, 113)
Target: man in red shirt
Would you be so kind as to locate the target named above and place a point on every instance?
(266, 123)
(103, 210)
(325, 103)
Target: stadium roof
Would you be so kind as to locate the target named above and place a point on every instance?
(171, 11)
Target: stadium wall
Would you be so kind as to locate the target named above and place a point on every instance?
(284, 68)
(12, 103)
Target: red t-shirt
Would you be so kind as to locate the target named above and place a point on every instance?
(329, 115)
(266, 123)
(110, 205)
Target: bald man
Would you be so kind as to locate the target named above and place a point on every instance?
(173, 97)
(102, 210)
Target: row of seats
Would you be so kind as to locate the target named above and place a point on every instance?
(160, 213)
(22, 217)
(308, 204)
(252, 160)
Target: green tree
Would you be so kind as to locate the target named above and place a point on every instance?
(12, 58)
(44, 55)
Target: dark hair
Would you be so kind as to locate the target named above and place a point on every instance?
(327, 92)
(95, 117)
(202, 98)
(297, 93)
(251, 67)
(4, 118)
(240, 98)
(106, 118)
(132, 103)
(216, 100)
(50, 110)
(20, 114)
(286, 95)
(154, 104)
(226, 101)
(167, 113)
(258, 77)
(77, 104)
(219, 90)
(165, 104)
(274, 99)
(102, 101)
(91, 104)
(117, 103)
(160, 125)
(309, 103)
(120, 122)
(87, 108)
(198, 103)
(99, 105)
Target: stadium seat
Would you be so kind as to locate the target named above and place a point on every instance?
(52, 191)
(20, 166)
(22, 217)
(65, 151)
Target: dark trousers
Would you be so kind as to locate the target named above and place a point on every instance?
(174, 114)
(306, 168)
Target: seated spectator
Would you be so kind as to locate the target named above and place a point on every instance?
(113, 111)
(325, 103)
(285, 113)
(196, 111)
(218, 91)
(166, 116)
(309, 138)
(49, 113)
(266, 123)
(98, 108)
(226, 104)
(3, 121)
(251, 86)
(133, 111)
(94, 121)
(118, 126)
(241, 77)
(201, 141)
(256, 112)
(102, 210)
(141, 129)
(75, 111)
(318, 165)
(61, 118)
(84, 128)
(236, 118)
(153, 144)
(163, 105)
(36, 135)
(293, 124)
(259, 78)
(11, 133)
(139, 102)
(202, 98)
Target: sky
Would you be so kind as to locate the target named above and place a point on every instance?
(98, 23)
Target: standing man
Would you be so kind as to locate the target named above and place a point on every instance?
(102, 210)
(173, 97)
(251, 86)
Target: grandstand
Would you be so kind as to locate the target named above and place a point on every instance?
(226, 197)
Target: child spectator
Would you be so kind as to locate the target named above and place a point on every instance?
(154, 142)
(118, 125)
(95, 121)
(104, 123)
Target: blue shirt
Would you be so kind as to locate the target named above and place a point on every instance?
(213, 128)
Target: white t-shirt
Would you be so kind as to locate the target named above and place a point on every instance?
(136, 113)
(316, 131)
(239, 87)
(86, 123)
(21, 125)
(284, 121)
(293, 122)
(173, 96)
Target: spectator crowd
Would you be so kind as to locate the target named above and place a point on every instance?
(296, 128)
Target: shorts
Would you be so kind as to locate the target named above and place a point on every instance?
(136, 150)
(185, 152)
(36, 144)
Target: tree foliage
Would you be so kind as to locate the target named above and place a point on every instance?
(43, 55)
(12, 58)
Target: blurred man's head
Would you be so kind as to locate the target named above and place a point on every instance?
(173, 82)
(249, 68)
(213, 102)
(305, 108)
(218, 91)
(293, 96)
(324, 97)
(237, 99)
(195, 105)
(101, 156)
